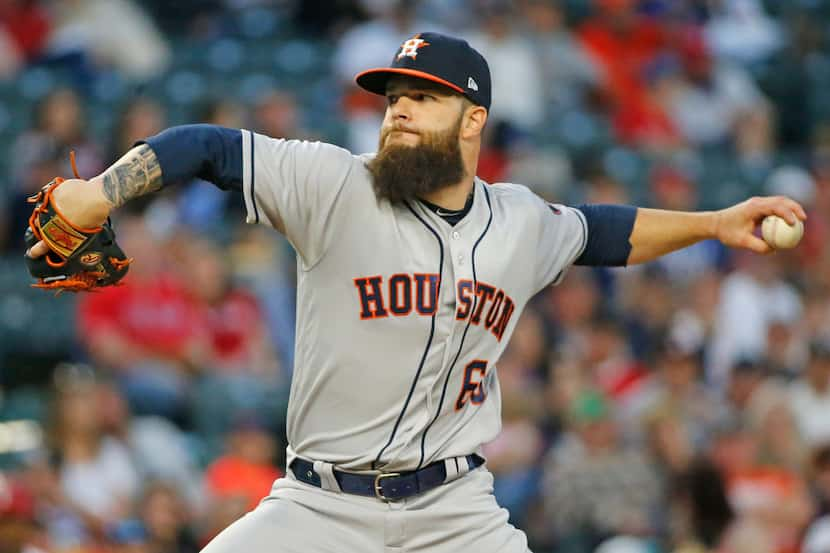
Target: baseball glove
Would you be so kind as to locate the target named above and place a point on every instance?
(79, 259)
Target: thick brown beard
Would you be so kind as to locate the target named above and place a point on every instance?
(401, 172)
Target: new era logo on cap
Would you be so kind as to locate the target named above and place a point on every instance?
(439, 58)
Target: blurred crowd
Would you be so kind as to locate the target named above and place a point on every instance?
(678, 407)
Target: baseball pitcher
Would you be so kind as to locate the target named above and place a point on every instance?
(412, 273)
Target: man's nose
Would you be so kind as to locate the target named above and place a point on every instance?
(401, 109)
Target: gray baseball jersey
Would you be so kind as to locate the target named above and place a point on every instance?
(401, 317)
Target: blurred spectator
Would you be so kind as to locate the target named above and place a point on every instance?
(715, 102)
(702, 515)
(141, 118)
(158, 448)
(673, 187)
(201, 205)
(786, 352)
(366, 45)
(644, 122)
(569, 74)
(11, 59)
(797, 183)
(810, 397)
(18, 526)
(128, 536)
(614, 369)
(24, 30)
(110, 33)
(513, 456)
(623, 42)
(820, 478)
(772, 500)
(45, 162)
(237, 341)
(255, 254)
(546, 171)
(647, 299)
(817, 537)
(693, 320)
(59, 126)
(97, 476)
(373, 42)
(626, 46)
(603, 188)
(238, 365)
(817, 313)
(789, 85)
(750, 391)
(751, 298)
(780, 442)
(166, 521)
(511, 59)
(147, 331)
(675, 393)
(593, 487)
(670, 444)
(239, 479)
(196, 19)
(327, 18)
(495, 162)
(221, 111)
(568, 310)
(739, 30)
(277, 114)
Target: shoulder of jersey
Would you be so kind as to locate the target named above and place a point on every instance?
(512, 193)
(337, 154)
(334, 149)
(365, 157)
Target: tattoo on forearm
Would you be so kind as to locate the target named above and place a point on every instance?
(137, 173)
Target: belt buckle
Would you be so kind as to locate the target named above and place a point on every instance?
(379, 487)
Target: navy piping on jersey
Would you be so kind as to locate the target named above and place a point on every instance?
(376, 462)
(584, 234)
(253, 173)
(466, 328)
(581, 248)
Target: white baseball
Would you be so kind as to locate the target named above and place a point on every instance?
(779, 234)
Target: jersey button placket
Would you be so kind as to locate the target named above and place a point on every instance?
(459, 257)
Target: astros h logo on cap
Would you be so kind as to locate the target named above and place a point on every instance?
(410, 47)
(443, 59)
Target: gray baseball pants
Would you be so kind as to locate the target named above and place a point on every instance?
(458, 516)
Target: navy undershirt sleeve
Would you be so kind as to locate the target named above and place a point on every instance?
(208, 152)
(609, 230)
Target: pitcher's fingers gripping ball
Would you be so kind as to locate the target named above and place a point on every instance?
(78, 259)
(779, 234)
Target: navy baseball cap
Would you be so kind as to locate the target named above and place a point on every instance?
(439, 58)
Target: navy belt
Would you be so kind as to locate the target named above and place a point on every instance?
(387, 486)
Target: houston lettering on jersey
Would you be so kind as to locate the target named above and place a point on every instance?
(378, 301)
(486, 305)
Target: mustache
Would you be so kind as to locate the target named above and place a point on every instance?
(398, 128)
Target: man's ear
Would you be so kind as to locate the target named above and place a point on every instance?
(474, 120)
